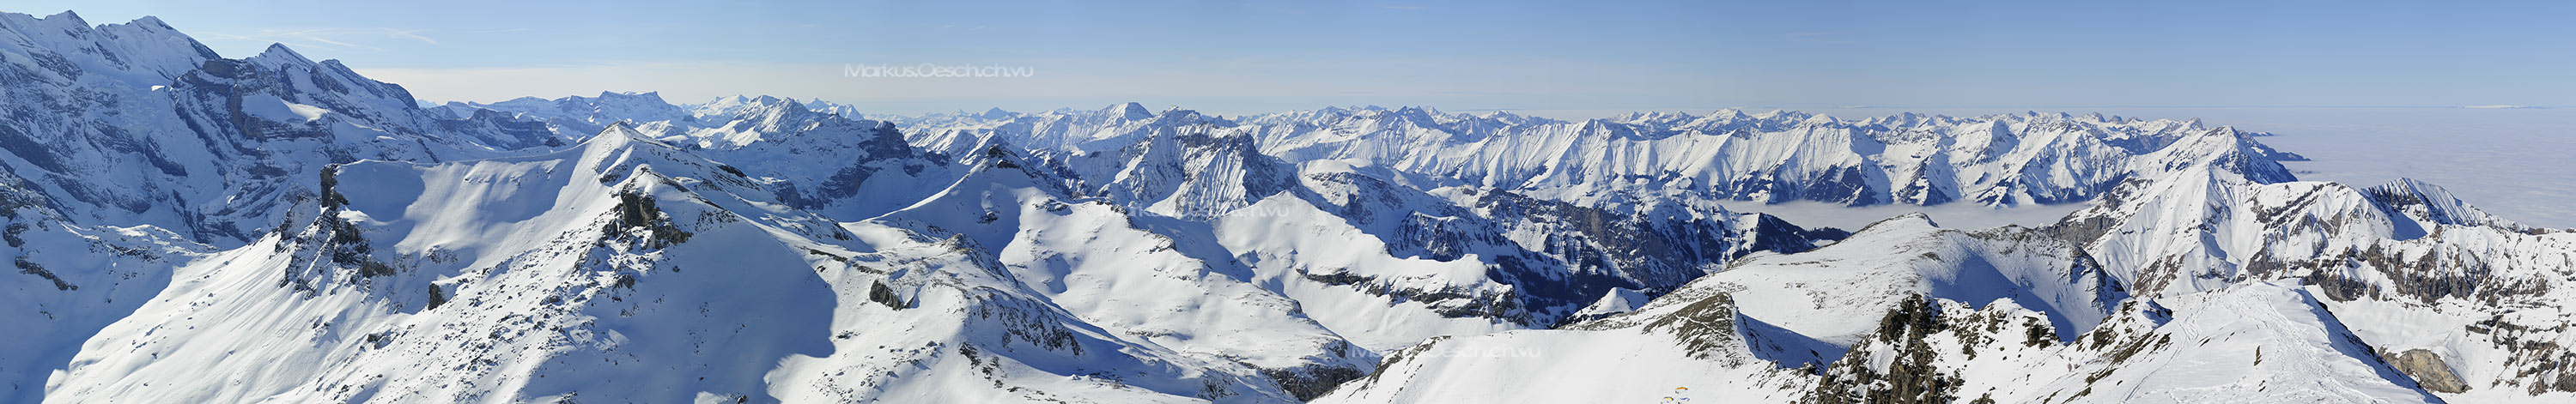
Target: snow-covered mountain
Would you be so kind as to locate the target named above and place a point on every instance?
(2464, 301)
(2202, 285)
(577, 117)
(725, 108)
(135, 123)
(1998, 160)
(192, 228)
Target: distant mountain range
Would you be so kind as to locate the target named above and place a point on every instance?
(192, 228)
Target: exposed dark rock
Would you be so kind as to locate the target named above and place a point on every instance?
(878, 292)
(15, 235)
(1029, 322)
(636, 210)
(1311, 381)
(1451, 303)
(1704, 327)
(1912, 376)
(437, 297)
(31, 268)
(2428, 370)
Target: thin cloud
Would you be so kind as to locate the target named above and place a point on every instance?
(332, 38)
(412, 34)
(305, 38)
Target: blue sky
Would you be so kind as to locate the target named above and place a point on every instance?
(1255, 56)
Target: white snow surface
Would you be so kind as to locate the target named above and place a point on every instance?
(2253, 343)
(191, 228)
(1836, 293)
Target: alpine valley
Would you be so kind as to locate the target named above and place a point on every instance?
(187, 227)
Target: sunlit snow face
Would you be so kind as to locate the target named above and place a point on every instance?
(2511, 162)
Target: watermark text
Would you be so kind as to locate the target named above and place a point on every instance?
(932, 70)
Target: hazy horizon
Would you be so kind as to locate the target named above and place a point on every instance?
(2381, 70)
(1235, 57)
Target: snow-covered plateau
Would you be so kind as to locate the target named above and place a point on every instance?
(194, 228)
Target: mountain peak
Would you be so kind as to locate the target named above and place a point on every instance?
(151, 21)
(2229, 131)
(613, 140)
(1776, 113)
(777, 105)
(1904, 222)
(278, 54)
(1130, 111)
(732, 99)
(1820, 119)
(630, 94)
(992, 153)
(623, 128)
(68, 17)
(2432, 203)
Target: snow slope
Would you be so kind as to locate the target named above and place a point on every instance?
(1835, 293)
(2259, 342)
(1690, 351)
(618, 264)
(2408, 266)
(70, 281)
(190, 228)
(137, 124)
